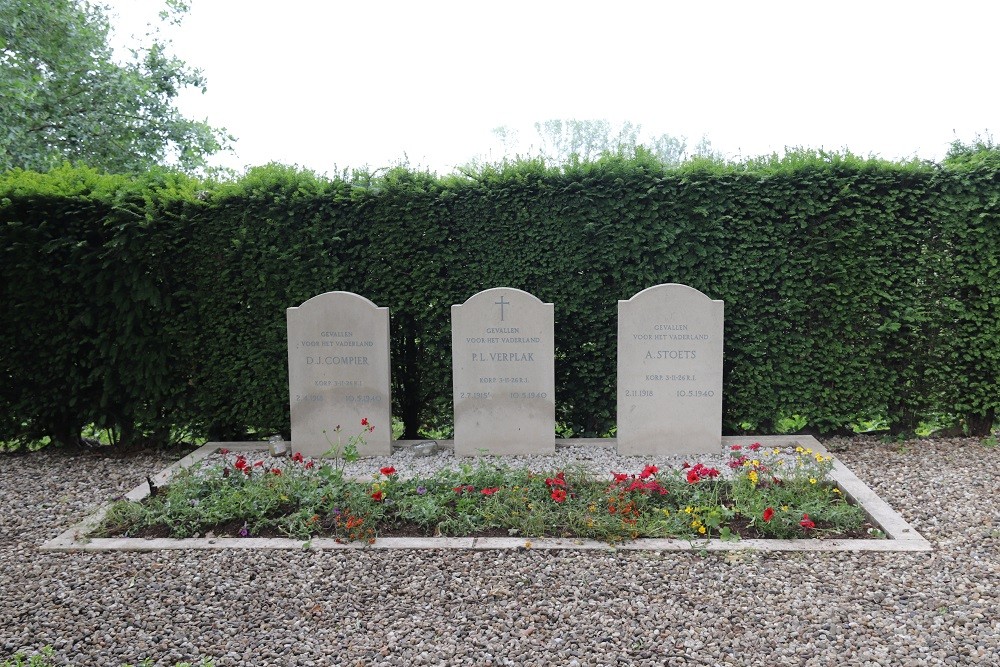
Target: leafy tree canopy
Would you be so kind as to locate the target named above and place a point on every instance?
(64, 97)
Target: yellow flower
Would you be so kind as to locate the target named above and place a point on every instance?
(701, 529)
(755, 463)
(591, 508)
(819, 458)
(809, 451)
(665, 511)
(836, 490)
(812, 480)
(784, 508)
(688, 509)
(695, 523)
(799, 449)
(752, 476)
(776, 451)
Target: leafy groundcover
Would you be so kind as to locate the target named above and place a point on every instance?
(761, 493)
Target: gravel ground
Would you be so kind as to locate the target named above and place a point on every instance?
(512, 608)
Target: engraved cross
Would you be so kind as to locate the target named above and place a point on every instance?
(502, 303)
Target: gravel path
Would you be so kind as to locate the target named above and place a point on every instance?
(512, 608)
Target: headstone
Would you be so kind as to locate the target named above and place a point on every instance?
(338, 373)
(502, 350)
(670, 372)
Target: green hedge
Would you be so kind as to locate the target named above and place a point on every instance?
(855, 290)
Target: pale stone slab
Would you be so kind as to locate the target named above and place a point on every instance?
(502, 346)
(338, 373)
(670, 372)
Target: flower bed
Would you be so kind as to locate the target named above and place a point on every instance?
(761, 493)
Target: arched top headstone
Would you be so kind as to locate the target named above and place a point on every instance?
(340, 299)
(338, 373)
(502, 292)
(670, 372)
(503, 373)
(673, 292)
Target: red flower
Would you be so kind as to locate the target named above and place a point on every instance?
(768, 514)
(364, 421)
(310, 464)
(807, 523)
(276, 472)
(704, 471)
(648, 471)
(241, 463)
(297, 457)
(755, 446)
(223, 451)
(735, 448)
(620, 476)
(558, 495)
(490, 491)
(686, 465)
(558, 480)
(387, 471)
(651, 485)
(693, 477)
(258, 464)
(377, 496)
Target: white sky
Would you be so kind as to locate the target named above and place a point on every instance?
(331, 84)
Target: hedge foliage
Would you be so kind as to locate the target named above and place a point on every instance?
(855, 290)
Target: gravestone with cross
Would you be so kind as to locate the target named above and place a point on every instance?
(503, 374)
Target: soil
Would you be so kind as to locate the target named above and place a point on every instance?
(739, 526)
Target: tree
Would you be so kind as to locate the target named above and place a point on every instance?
(559, 141)
(63, 97)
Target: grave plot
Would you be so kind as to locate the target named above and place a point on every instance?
(898, 534)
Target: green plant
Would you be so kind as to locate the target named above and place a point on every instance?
(40, 659)
(45, 657)
(343, 453)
